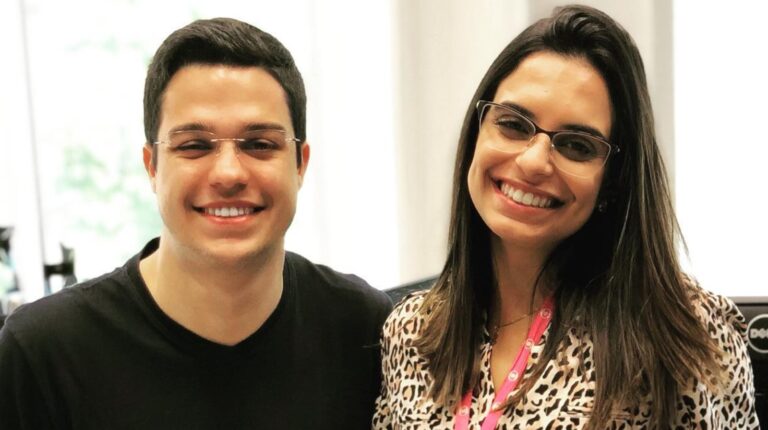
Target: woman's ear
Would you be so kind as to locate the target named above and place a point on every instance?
(606, 196)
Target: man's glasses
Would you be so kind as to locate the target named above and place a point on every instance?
(573, 152)
(193, 144)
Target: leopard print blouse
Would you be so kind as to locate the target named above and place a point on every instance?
(563, 397)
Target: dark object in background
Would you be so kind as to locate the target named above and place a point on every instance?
(8, 281)
(66, 269)
(755, 310)
(397, 293)
(5, 238)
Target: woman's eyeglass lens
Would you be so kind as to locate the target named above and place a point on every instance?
(573, 152)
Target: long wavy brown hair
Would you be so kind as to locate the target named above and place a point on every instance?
(618, 277)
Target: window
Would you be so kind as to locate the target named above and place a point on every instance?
(721, 152)
(82, 136)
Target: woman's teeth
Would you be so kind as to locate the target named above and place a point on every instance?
(523, 198)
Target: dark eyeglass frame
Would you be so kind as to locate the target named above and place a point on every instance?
(483, 105)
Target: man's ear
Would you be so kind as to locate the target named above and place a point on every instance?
(304, 162)
(149, 166)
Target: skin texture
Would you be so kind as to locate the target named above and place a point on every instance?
(221, 277)
(560, 93)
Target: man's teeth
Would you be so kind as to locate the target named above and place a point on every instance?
(527, 199)
(228, 212)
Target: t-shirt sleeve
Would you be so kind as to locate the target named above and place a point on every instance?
(22, 404)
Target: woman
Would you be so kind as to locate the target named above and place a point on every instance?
(562, 302)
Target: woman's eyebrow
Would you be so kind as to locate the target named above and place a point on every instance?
(520, 109)
(572, 127)
(585, 129)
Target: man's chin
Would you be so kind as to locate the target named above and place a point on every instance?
(240, 255)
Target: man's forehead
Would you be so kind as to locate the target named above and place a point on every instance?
(209, 96)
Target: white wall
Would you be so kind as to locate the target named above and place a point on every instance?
(444, 49)
(721, 88)
(348, 206)
(19, 204)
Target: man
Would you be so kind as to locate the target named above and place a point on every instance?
(213, 325)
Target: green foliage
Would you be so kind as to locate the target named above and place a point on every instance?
(106, 206)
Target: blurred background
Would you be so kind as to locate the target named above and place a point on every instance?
(388, 84)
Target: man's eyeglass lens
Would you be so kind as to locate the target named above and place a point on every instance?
(197, 144)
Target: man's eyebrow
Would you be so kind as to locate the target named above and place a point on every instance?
(571, 127)
(198, 126)
(264, 126)
(190, 126)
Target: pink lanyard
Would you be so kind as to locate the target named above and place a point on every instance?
(513, 378)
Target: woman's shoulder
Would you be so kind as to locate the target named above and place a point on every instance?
(726, 326)
(718, 313)
(405, 322)
(724, 323)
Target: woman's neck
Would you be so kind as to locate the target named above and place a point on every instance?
(521, 284)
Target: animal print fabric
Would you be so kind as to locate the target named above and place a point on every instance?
(563, 396)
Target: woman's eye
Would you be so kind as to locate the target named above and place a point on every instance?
(577, 148)
(513, 127)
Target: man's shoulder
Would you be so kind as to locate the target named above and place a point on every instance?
(66, 310)
(325, 281)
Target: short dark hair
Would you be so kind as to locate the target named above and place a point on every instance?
(229, 42)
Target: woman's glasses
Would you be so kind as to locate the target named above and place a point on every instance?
(574, 152)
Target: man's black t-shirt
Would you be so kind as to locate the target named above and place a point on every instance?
(102, 355)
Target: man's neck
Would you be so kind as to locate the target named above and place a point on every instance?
(222, 303)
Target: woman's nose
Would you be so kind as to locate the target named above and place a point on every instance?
(535, 160)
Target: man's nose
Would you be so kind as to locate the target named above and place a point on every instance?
(228, 169)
